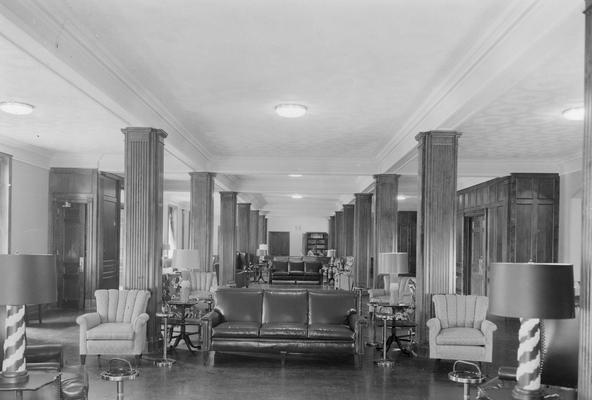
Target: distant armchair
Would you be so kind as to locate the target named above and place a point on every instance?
(118, 326)
(460, 331)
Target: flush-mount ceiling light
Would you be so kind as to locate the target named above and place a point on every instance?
(16, 108)
(295, 175)
(574, 114)
(296, 196)
(290, 110)
(401, 197)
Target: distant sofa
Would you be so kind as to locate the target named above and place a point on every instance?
(283, 321)
(307, 268)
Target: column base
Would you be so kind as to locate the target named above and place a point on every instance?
(525, 394)
(13, 378)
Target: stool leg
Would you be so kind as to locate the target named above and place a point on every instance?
(119, 390)
(467, 390)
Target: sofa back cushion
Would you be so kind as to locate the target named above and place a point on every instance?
(296, 264)
(330, 307)
(287, 306)
(460, 311)
(280, 264)
(239, 305)
(312, 264)
(121, 305)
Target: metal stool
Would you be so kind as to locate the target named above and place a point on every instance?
(465, 377)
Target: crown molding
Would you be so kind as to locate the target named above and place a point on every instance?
(29, 154)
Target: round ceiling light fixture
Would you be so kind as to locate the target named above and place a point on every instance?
(574, 114)
(401, 197)
(16, 108)
(290, 110)
(296, 196)
(295, 175)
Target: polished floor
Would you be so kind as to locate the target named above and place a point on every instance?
(262, 376)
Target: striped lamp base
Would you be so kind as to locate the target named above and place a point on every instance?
(14, 368)
(528, 373)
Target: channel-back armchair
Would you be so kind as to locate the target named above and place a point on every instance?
(459, 330)
(118, 326)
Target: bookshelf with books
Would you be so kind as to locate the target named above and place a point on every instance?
(317, 242)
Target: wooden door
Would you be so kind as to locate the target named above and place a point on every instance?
(110, 227)
(71, 228)
(474, 278)
(279, 243)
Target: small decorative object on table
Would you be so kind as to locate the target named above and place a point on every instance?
(119, 370)
(466, 377)
(185, 286)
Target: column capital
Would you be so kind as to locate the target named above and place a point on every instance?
(363, 195)
(198, 174)
(134, 132)
(386, 178)
(243, 204)
(228, 194)
(348, 206)
(588, 7)
(437, 133)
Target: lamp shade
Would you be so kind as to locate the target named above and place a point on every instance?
(28, 279)
(331, 253)
(532, 290)
(263, 246)
(261, 252)
(393, 263)
(185, 259)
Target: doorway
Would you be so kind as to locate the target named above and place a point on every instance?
(279, 243)
(70, 241)
(475, 261)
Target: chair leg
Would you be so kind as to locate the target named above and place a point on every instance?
(82, 359)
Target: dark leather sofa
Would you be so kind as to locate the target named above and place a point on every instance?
(282, 321)
(294, 269)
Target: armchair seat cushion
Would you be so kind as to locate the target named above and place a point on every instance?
(461, 337)
(111, 331)
(236, 329)
(283, 330)
(330, 332)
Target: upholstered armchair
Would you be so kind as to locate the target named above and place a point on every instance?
(118, 326)
(460, 331)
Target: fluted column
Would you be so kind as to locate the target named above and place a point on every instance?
(436, 220)
(227, 237)
(144, 169)
(261, 230)
(201, 226)
(339, 236)
(348, 230)
(362, 236)
(265, 230)
(585, 348)
(331, 232)
(243, 223)
(254, 232)
(387, 189)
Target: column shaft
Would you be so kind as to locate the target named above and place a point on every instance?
(202, 216)
(144, 169)
(261, 230)
(387, 189)
(254, 232)
(227, 237)
(242, 226)
(348, 229)
(436, 221)
(339, 234)
(585, 348)
(362, 238)
(331, 232)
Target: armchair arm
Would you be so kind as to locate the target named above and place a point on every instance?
(488, 327)
(139, 322)
(88, 320)
(376, 293)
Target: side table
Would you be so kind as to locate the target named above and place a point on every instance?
(36, 381)
(119, 373)
(183, 335)
(384, 361)
(165, 361)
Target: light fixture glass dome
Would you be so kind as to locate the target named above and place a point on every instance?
(574, 114)
(290, 110)
(296, 196)
(16, 108)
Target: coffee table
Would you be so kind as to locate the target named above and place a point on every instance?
(36, 380)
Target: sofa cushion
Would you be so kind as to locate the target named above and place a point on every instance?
(330, 307)
(461, 337)
(280, 266)
(239, 305)
(312, 267)
(236, 329)
(296, 265)
(111, 331)
(283, 330)
(330, 332)
(281, 273)
(290, 306)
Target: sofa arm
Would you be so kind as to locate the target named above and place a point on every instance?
(434, 328)
(140, 322)
(353, 319)
(213, 317)
(209, 321)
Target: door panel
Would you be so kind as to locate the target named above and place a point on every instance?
(477, 256)
(109, 276)
(71, 253)
(279, 243)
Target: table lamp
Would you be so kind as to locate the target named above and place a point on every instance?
(262, 252)
(391, 265)
(531, 291)
(331, 253)
(26, 279)
(184, 259)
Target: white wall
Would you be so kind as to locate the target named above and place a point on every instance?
(570, 221)
(297, 226)
(30, 209)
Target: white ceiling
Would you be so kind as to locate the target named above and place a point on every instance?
(373, 74)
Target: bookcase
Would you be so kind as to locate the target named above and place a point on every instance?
(318, 242)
